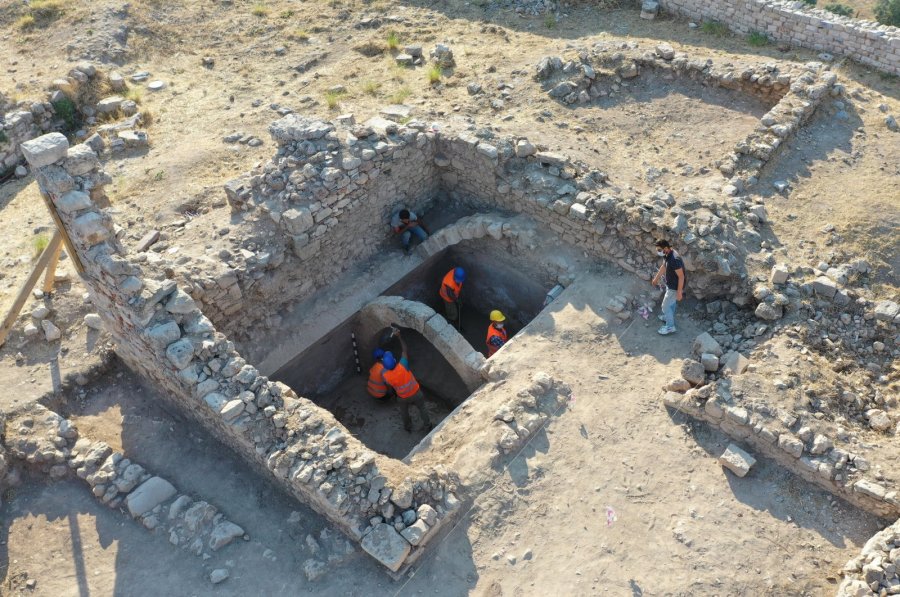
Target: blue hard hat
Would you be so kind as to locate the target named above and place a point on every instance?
(389, 361)
(377, 354)
(459, 274)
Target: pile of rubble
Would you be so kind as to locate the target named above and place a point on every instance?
(876, 571)
(46, 442)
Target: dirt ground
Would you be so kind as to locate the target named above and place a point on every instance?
(680, 525)
(683, 525)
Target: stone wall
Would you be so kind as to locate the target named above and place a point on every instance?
(867, 42)
(83, 86)
(331, 188)
(792, 442)
(327, 191)
(792, 91)
(392, 509)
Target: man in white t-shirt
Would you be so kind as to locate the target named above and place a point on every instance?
(407, 224)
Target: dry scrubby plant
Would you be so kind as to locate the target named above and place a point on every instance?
(40, 13)
(333, 99)
(371, 88)
(757, 38)
(433, 73)
(714, 28)
(401, 95)
(887, 12)
(39, 243)
(393, 40)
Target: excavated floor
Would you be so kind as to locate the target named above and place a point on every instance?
(327, 374)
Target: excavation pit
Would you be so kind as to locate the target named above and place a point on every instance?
(326, 372)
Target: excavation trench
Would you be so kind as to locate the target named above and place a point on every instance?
(326, 372)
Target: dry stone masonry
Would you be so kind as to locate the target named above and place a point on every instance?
(160, 332)
(49, 443)
(796, 23)
(794, 92)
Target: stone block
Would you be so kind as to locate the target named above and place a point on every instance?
(693, 372)
(80, 160)
(108, 105)
(887, 311)
(73, 201)
(90, 228)
(705, 343)
(415, 532)
(164, 334)
(737, 460)
(45, 150)
(779, 274)
(151, 493)
(734, 363)
(790, 444)
(223, 534)
(386, 545)
(710, 362)
(824, 287)
(180, 353)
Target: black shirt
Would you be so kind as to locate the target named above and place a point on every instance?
(673, 264)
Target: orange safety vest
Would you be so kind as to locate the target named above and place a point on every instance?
(493, 332)
(451, 283)
(376, 386)
(402, 380)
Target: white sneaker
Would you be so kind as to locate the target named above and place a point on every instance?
(661, 317)
(666, 330)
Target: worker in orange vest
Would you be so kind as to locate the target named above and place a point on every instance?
(397, 375)
(451, 287)
(496, 333)
(376, 386)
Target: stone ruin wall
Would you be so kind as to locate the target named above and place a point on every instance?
(325, 198)
(23, 120)
(327, 195)
(161, 333)
(867, 42)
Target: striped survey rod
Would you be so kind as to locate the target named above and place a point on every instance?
(355, 353)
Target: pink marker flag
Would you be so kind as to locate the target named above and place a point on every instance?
(610, 516)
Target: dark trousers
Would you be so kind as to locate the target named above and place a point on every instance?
(417, 400)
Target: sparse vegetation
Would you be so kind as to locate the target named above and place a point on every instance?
(714, 28)
(887, 12)
(40, 13)
(259, 10)
(371, 88)
(399, 96)
(809, 2)
(286, 14)
(135, 94)
(839, 9)
(333, 98)
(66, 111)
(39, 243)
(3, 136)
(550, 21)
(300, 35)
(433, 73)
(757, 38)
(147, 117)
(393, 40)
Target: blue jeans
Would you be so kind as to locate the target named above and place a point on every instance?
(407, 234)
(669, 304)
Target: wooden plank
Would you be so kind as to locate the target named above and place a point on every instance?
(39, 267)
(50, 276)
(70, 248)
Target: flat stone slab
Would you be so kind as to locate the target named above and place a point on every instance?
(386, 545)
(737, 460)
(396, 112)
(45, 150)
(149, 495)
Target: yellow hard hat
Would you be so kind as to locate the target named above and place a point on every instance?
(497, 316)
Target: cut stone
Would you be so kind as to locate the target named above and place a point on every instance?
(45, 150)
(223, 534)
(737, 460)
(386, 545)
(149, 495)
